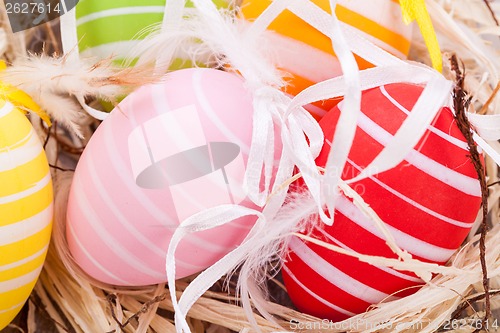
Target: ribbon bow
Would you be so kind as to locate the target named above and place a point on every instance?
(415, 10)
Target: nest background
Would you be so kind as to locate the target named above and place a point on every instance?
(64, 300)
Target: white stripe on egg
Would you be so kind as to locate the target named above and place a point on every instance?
(18, 144)
(120, 11)
(122, 219)
(101, 268)
(18, 282)
(391, 7)
(6, 109)
(382, 268)
(13, 158)
(407, 242)
(209, 111)
(308, 62)
(19, 231)
(26, 193)
(24, 260)
(335, 276)
(12, 307)
(123, 253)
(457, 180)
(316, 296)
(451, 139)
(415, 203)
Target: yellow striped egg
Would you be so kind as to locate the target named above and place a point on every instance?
(26, 209)
(307, 54)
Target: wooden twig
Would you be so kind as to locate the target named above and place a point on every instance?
(484, 108)
(461, 102)
(487, 3)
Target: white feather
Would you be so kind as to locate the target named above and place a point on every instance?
(64, 110)
(211, 40)
(55, 82)
(269, 252)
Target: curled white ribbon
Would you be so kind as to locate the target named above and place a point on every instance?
(172, 20)
(69, 42)
(69, 37)
(347, 123)
(205, 220)
(262, 148)
(269, 102)
(487, 126)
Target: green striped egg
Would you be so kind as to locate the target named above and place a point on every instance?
(113, 27)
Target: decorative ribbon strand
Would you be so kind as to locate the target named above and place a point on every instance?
(416, 10)
(69, 41)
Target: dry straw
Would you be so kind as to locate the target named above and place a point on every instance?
(66, 300)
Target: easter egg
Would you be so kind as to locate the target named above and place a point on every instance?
(26, 210)
(168, 151)
(307, 55)
(428, 202)
(108, 29)
(114, 28)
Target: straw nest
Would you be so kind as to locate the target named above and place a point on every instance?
(65, 300)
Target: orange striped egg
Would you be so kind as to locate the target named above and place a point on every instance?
(25, 210)
(307, 54)
(429, 203)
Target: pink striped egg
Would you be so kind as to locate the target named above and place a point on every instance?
(168, 151)
(428, 202)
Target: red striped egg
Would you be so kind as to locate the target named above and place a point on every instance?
(429, 203)
(170, 150)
